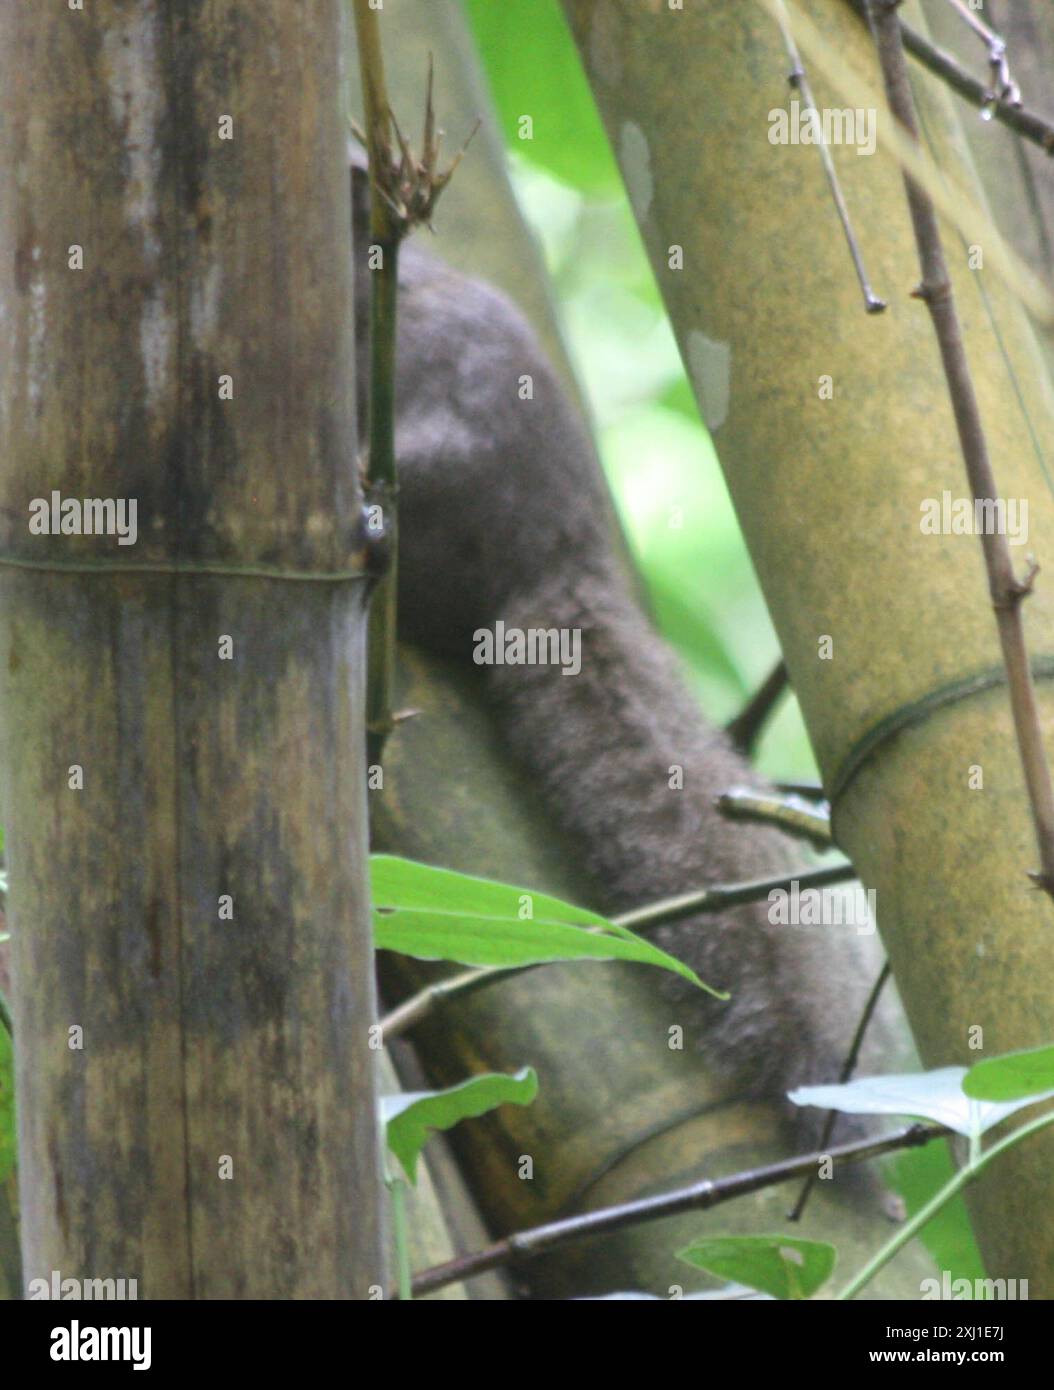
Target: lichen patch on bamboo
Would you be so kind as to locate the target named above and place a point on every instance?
(710, 367)
(635, 159)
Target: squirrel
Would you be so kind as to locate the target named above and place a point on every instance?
(504, 515)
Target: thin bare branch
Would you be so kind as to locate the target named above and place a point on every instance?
(799, 82)
(805, 820)
(404, 190)
(1028, 124)
(962, 211)
(748, 724)
(722, 896)
(846, 1074)
(380, 483)
(1004, 88)
(411, 1011)
(1007, 591)
(700, 1196)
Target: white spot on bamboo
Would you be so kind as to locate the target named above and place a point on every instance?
(157, 334)
(710, 368)
(204, 308)
(130, 47)
(635, 160)
(37, 360)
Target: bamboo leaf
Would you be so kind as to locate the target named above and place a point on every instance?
(410, 1117)
(437, 914)
(931, 1095)
(1014, 1076)
(783, 1266)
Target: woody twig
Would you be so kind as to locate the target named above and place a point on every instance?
(404, 190)
(700, 1196)
(799, 82)
(1007, 591)
(1028, 124)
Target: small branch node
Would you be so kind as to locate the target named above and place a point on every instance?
(402, 715)
(1012, 113)
(1003, 90)
(940, 293)
(799, 81)
(1015, 590)
(1025, 586)
(1044, 882)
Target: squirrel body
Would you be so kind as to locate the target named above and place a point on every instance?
(504, 515)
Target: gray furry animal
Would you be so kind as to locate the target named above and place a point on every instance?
(504, 514)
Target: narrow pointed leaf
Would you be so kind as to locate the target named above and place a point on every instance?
(436, 914)
(410, 1117)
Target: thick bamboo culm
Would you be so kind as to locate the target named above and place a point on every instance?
(193, 982)
(910, 720)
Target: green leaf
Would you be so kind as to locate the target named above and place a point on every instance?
(533, 69)
(918, 1175)
(930, 1095)
(436, 914)
(1013, 1076)
(783, 1266)
(410, 1118)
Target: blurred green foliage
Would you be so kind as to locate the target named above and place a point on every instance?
(534, 72)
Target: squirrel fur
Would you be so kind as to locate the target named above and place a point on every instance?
(504, 514)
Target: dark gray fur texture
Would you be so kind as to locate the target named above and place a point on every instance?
(504, 513)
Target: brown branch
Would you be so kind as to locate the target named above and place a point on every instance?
(1004, 88)
(1028, 124)
(1007, 592)
(968, 217)
(420, 1005)
(404, 190)
(721, 896)
(380, 484)
(747, 725)
(848, 1067)
(805, 820)
(699, 1196)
